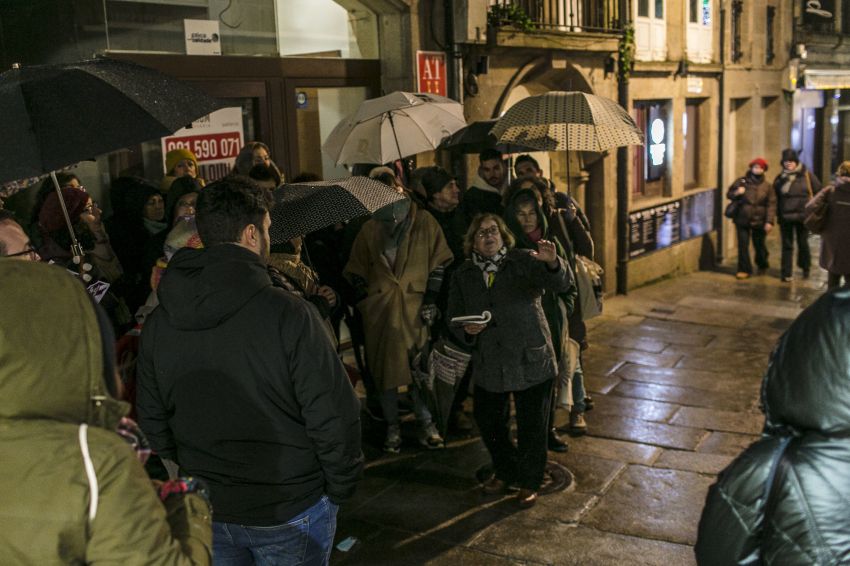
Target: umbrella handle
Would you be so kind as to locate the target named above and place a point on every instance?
(76, 248)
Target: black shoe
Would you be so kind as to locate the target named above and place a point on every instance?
(555, 443)
(588, 403)
(806, 273)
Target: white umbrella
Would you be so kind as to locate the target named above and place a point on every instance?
(394, 126)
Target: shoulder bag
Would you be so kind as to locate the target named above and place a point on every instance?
(816, 219)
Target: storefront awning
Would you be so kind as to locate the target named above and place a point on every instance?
(826, 79)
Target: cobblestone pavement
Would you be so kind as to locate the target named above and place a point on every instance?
(674, 370)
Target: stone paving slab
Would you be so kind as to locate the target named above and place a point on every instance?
(726, 443)
(617, 450)
(711, 464)
(726, 421)
(726, 361)
(612, 407)
(645, 432)
(633, 356)
(694, 378)
(652, 333)
(576, 545)
(684, 395)
(751, 342)
(601, 383)
(592, 474)
(653, 503)
(599, 364)
(742, 307)
(631, 342)
(702, 316)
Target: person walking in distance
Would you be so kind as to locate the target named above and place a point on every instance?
(753, 210)
(262, 409)
(794, 187)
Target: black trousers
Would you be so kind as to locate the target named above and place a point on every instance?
(525, 463)
(804, 256)
(758, 237)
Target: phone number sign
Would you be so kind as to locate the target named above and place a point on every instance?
(215, 140)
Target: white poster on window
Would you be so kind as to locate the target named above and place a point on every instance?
(215, 140)
(202, 37)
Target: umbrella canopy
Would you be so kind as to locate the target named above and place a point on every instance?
(57, 115)
(574, 121)
(301, 208)
(393, 127)
(477, 136)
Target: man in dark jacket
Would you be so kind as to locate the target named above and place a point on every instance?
(754, 212)
(240, 385)
(486, 190)
(784, 499)
(794, 187)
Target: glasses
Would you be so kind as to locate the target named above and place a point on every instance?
(483, 233)
(29, 250)
(77, 187)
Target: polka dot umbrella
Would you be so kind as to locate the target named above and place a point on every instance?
(567, 121)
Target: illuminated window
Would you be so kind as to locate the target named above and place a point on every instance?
(651, 160)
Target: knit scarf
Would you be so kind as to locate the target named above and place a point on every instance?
(489, 266)
(154, 226)
(788, 177)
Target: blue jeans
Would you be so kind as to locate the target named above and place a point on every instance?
(305, 540)
(578, 388)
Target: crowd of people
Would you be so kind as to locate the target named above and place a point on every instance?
(229, 346)
(757, 205)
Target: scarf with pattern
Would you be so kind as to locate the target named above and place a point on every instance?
(489, 266)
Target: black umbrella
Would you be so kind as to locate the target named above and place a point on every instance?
(56, 115)
(301, 208)
(476, 137)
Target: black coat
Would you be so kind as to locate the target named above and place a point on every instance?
(806, 402)
(515, 351)
(756, 205)
(241, 386)
(791, 206)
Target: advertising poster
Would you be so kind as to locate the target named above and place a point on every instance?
(215, 140)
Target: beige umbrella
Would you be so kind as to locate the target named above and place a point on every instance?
(572, 121)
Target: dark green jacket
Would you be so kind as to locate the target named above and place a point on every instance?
(54, 408)
(806, 402)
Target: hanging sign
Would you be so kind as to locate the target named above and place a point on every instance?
(215, 140)
(202, 37)
(431, 74)
(818, 11)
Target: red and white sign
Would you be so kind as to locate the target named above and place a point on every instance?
(431, 74)
(215, 140)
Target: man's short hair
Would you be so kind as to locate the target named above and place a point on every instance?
(525, 158)
(227, 206)
(489, 154)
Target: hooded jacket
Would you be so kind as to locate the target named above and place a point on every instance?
(57, 417)
(805, 447)
(240, 385)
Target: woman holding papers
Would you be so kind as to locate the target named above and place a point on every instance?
(512, 353)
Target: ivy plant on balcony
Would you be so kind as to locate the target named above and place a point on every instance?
(509, 14)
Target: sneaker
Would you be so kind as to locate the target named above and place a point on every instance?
(577, 423)
(742, 275)
(430, 438)
(393, 442)
(787, 279)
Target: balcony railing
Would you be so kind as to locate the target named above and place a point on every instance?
(567, 15)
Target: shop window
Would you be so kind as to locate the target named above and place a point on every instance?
(350, 32)
(770, 48)
(692, 134)
(651, 160)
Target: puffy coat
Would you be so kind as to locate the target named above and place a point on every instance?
(757, 205)
(791, 205)
(56, 417)
(515, 351)
(806, 444)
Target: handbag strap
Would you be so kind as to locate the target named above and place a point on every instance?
(809, 184)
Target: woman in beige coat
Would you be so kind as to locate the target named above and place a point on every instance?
(396, 266)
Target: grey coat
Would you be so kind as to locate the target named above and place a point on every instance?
(835, 239)
(515, 351)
